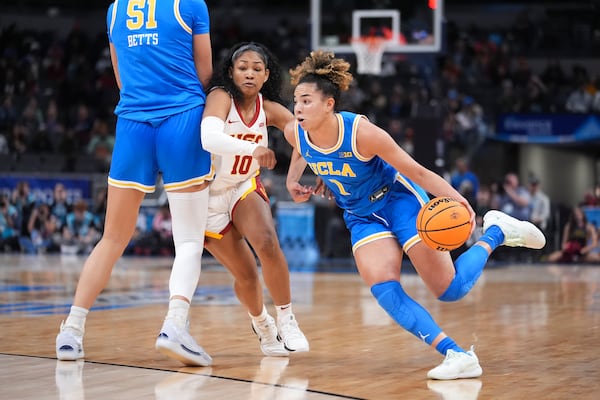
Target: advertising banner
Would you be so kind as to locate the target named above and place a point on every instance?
(43, 188)
(547, 128)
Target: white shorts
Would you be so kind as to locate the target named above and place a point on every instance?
(221, 205)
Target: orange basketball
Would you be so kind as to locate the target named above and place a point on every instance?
(444, 224)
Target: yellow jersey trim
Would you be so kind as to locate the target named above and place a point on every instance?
(354, 137)
(372, 238)
(131, 185)
(178, 17)
(114, 16)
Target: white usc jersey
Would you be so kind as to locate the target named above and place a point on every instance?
(234, 169)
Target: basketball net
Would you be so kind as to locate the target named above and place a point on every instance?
(369, 52)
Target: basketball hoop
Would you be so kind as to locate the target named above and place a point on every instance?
(369, 52)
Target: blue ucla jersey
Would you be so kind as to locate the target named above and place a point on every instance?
(153, 42)
(359, 185)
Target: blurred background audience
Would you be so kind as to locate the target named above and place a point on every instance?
(58, 92)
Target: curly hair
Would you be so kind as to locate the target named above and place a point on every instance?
(271, 89)
(330, 74)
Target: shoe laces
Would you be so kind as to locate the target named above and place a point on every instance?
(511, 233)
(180, 323)
(264, 327)
(289, 327)
(73, 330)
(181, 327)
(452, 355)
(267, 330)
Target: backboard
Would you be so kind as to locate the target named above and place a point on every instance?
(410, 26)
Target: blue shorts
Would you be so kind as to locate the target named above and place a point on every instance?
(173, 148)
(396, 219)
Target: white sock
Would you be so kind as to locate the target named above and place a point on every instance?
(76, 318)
(178, 312)
(261, 317)
(283, 311)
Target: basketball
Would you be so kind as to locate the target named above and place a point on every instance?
(444, 224)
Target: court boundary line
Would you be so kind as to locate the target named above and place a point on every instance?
(341, 396)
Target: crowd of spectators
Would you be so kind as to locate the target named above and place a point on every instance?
(34, 225)
(574, 239)
(57, 96)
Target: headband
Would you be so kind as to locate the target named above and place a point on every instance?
(250, 47)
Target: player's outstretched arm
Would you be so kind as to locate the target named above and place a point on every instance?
(374, 141)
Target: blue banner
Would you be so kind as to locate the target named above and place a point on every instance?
(547, 128)
(43, 188)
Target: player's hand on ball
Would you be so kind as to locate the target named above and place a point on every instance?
(467, 205)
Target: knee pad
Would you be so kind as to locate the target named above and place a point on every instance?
(392, 298)
(456, 290)
(468, 266)
(405, 311)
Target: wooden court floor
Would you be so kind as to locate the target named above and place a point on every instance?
(535, 329)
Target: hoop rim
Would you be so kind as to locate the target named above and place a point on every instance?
(372, 42)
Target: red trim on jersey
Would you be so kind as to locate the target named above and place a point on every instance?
(256, 112)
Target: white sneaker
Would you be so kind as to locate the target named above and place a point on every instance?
(177, 343)
(268, 338)
(291, 335)
(457, 365)
(69, 343)
(516, 233)
(464, 389)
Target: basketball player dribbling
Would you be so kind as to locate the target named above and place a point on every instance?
(381, 189)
